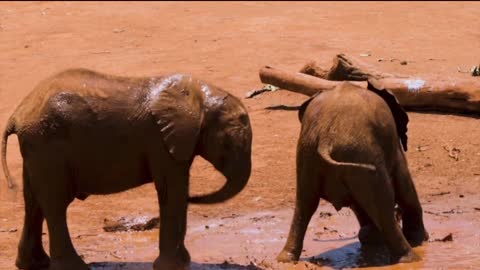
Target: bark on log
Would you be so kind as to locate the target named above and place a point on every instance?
(457, 96)
(346, 68)
(453, 96)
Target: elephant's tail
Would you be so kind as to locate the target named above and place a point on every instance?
(9, 129)
(325, 154)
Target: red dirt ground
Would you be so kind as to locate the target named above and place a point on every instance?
(226, 43)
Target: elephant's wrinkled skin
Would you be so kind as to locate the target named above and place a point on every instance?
(83, 132)
(349, 153)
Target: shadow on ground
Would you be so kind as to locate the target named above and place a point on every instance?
(148, 266)
(352, 255)
(282, 108)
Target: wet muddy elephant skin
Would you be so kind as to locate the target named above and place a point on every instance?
(82, 132)
(350, 153)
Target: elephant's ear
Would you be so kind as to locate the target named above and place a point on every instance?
(176, 105)
(399, 114)
(303, 107)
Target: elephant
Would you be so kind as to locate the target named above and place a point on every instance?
(351, 152)
(82, 132)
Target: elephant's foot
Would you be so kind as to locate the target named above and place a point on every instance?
(162, 263)
(287, 257)
(33, 260)
(416, 237)
(409, 257)
(71, 263)
(179, 262)
(370, 235)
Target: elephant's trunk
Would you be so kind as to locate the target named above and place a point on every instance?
(237, 179)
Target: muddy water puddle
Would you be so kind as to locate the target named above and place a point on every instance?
(251, 241)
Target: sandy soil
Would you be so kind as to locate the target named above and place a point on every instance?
(226, 43)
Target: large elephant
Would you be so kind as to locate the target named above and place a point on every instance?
(350, 153)
(82, 132)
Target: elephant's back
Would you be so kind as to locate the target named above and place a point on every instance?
(350, 106)
(78, 95)
(355, 122)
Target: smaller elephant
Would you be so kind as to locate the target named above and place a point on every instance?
(350, 153)
(85, 133)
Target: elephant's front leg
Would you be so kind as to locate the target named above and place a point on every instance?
(308, 197)
(173, 195)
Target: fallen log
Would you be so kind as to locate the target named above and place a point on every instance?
(457, 96)
(298, 82)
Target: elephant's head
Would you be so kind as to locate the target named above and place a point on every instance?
(199, 119)
(225, 141)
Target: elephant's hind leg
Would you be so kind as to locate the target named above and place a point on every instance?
(407, 198)
(374, 194)
(368, 233)
(52, 187)
(31, 254)
(307, 199)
